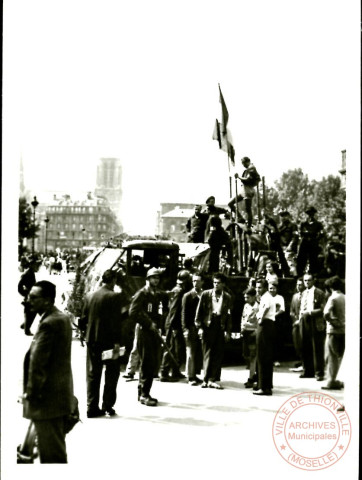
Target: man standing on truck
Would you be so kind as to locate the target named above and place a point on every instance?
(147, 309)
(249, 179)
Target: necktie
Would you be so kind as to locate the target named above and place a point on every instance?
(304, 303)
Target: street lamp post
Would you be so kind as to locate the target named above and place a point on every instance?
(46, 220)
(34, 204)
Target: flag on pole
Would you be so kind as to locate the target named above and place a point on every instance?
(224, 113)
(216, 134)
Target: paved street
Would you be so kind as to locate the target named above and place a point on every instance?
(191, 432)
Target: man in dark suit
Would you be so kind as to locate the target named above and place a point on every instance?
(313, 329)
(102, 317)
(48, 381)
(190, 302)
(213, 321)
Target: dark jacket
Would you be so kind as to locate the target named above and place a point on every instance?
(26, 282)
(319, 302)
(295, 307)
(48, 380)
(102, 313)
(147, 308)
(204, 316)
(190, 302)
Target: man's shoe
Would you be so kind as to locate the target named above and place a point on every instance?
(128, 376)
(215, 385)
(248, 384)
(204, 385)
(148, 401)
(319, 378)
(263, 392)
(95, 413)
(296, 369)
(303, 375)
(168, 379)
(193, 383)
(178, 376)
(255, 386)
(111, 412)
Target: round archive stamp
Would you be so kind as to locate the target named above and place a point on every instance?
(311, 430)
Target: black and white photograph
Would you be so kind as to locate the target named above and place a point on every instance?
(180, 231)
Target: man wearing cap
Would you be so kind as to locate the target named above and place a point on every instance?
(196, 225)
(249, 180)
(27, 281)
(147, 309)
(311, 231)
(212, 211)
(101, 317)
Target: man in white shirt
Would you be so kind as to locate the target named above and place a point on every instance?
(271, 305)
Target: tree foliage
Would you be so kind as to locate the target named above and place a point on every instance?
(294, 192)
(27, 228)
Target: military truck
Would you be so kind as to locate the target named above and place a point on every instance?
(135, 257)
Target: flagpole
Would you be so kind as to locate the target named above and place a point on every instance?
(230, 180)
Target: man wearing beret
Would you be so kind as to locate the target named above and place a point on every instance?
(311, 231)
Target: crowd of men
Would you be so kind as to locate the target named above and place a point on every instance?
(295, 246)
(183, 330)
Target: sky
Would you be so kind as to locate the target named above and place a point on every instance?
(139, 81)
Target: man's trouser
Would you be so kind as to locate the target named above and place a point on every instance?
(134, 358)
(265, 338)
(335, 345)
(213, 344)
(51, 440)
(148, 349)
(94, 375)
(193, 353)
(313, 342)
(248, 209)
(176, 344)
(249, 351)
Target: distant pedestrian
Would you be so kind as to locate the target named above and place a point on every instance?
(27, 281)
(48, 381)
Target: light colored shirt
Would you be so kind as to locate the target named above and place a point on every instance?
(270, 305)
(334, 313)
(216, 303)
(248, 318)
